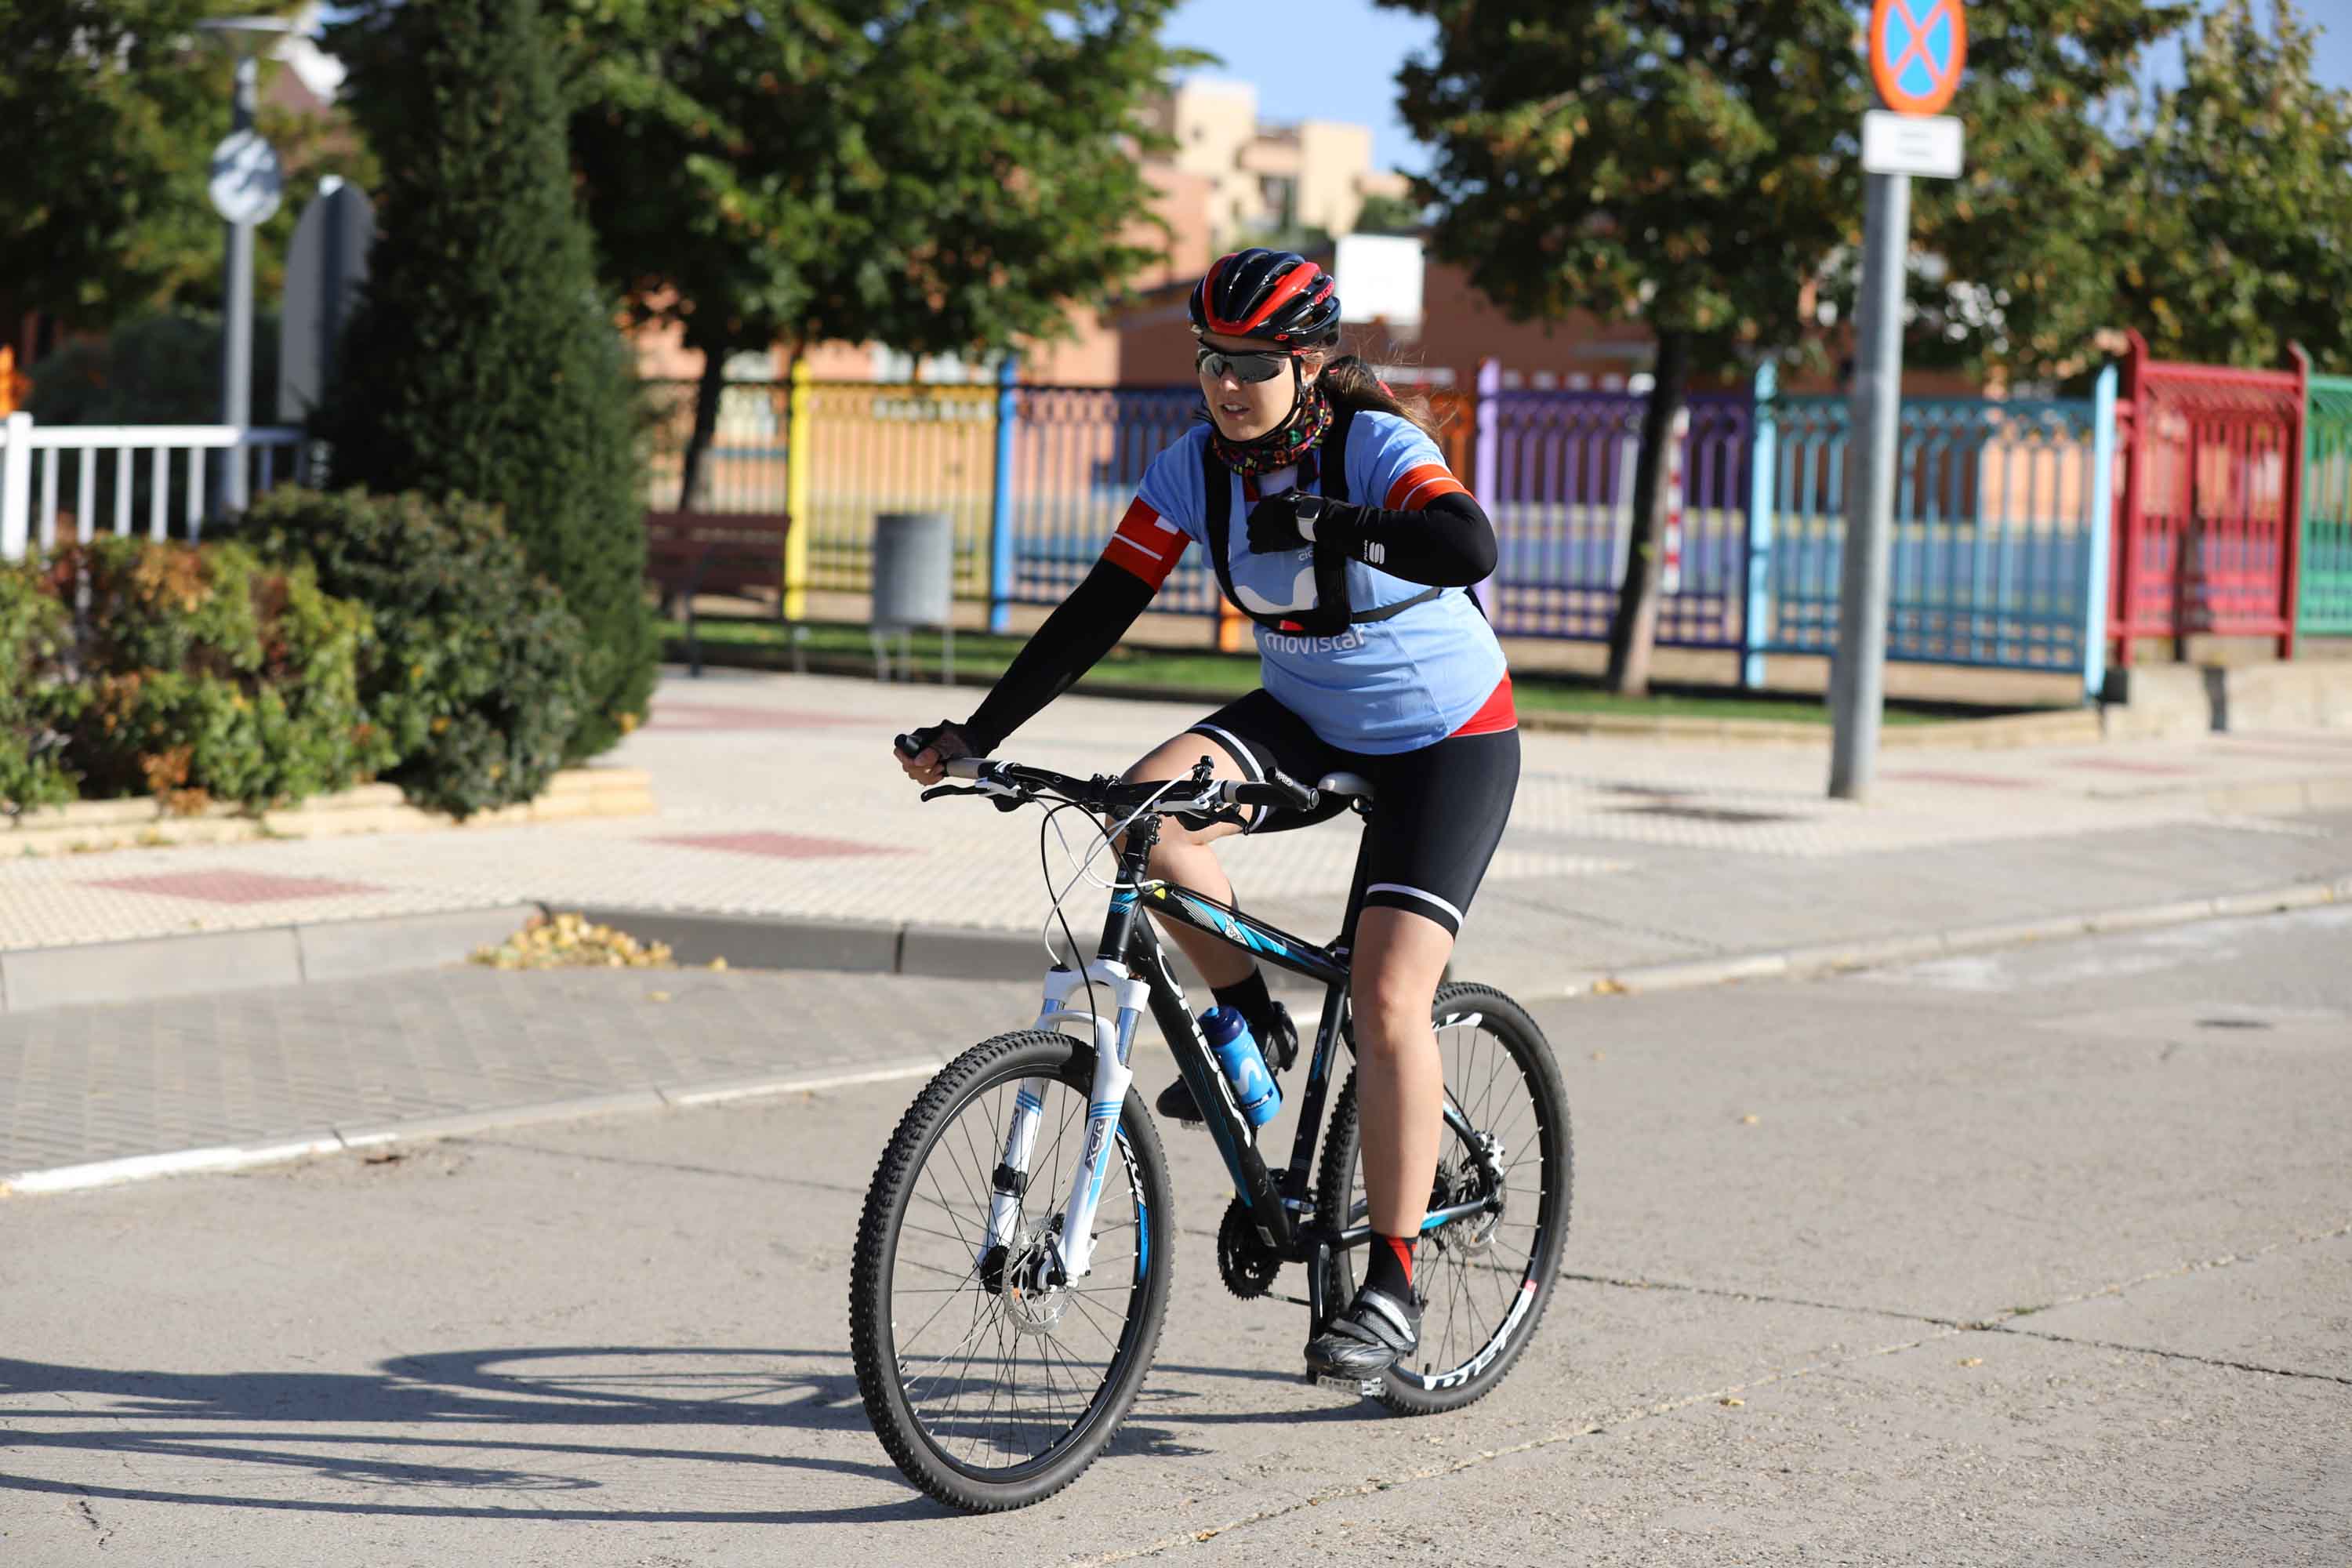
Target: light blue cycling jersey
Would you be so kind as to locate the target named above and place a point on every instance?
(1381, 686)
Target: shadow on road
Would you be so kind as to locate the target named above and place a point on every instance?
(291, 1425)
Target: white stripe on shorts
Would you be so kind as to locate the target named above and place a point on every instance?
(1415, 893)
(1241, 752)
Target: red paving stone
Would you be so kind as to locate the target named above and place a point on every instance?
(780, 846)
(1981, 780)
(724, 716)
(233, 887)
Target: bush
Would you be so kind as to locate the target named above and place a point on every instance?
(483, 360)
(32, 632)
(475, 674)
(204, 675)
(163, 369)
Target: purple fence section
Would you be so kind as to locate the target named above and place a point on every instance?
(1557, 476)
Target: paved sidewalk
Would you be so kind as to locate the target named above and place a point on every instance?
(778, 800)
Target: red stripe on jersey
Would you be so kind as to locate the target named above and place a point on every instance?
(1499, 714)
(1417, 487)
(1142, 546)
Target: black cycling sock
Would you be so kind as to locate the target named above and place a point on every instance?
(1391, 1268)
(1249, 998)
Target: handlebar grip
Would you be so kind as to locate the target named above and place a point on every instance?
(963, 767)
(1302, 796)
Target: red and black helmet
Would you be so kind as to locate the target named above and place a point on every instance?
(1278, 296)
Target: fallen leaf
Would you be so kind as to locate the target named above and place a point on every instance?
(656, 995)
(1598, 1054)
(1750, 1121)
(1972, 1360)
(1735, 1403)
(1605, 986)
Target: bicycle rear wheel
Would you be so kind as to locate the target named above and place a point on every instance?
(989, 1390)
(1484, 1281)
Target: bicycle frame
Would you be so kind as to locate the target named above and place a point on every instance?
(1130, 962)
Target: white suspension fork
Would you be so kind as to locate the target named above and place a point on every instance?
(1114, 1039)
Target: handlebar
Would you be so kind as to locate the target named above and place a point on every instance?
(1013, 784)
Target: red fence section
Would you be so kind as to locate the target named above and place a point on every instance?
(2206, 508)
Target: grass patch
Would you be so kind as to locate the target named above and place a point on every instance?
(982, 656)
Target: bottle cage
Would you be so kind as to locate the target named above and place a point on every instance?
(1330, 616)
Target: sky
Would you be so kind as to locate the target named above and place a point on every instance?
(1350, 51)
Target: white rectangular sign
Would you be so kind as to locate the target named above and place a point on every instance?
(1925, 144)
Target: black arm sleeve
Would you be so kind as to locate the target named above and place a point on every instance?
(1082, 628)
(1449, 543)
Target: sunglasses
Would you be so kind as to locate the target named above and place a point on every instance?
(1247, 368)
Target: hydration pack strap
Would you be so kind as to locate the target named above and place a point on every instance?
(1330, 615)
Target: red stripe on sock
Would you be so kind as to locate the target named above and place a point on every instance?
(1404, 1250)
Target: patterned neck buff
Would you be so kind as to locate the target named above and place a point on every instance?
(1282, 446)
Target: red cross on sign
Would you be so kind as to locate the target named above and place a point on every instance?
(1916, 51)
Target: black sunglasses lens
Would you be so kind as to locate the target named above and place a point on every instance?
(1245, 367)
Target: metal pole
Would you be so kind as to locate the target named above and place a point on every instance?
(1857, 677)
(237, 355)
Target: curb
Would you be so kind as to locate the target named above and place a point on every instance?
(427, 1129)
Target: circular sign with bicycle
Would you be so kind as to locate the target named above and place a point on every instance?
(1917, 49)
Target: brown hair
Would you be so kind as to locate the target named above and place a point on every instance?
(1350, 383)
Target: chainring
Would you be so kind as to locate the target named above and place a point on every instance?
(1243, 1258)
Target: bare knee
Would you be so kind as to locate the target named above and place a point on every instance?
(1390, 1008)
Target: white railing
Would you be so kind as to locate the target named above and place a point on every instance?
(36, 485)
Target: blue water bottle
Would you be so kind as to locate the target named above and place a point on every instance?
(1236, 1048)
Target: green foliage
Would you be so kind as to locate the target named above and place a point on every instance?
(945, 179)
(159, 369)
(492, 367)
(475, 672)
(203, 674)
(2241, 195)
(1389, 215)
(32, 632)
(113, 107)
(2032, 243)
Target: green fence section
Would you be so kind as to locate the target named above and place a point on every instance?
(2324, 607)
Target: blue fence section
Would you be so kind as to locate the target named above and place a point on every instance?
(1561, 497)
(1078, 453)
(1997, 533)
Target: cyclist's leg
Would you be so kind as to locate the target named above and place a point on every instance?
(1437, 816)
(1244, 740)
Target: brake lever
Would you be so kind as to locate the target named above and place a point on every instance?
(938, 790)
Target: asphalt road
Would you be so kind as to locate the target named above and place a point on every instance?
(2038, 1257)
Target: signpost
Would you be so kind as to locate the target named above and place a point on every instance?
(244, 186)
(1916, 51)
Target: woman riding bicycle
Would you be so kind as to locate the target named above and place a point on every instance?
(1334, 524)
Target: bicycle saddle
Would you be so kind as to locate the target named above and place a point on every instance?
(1345, 783)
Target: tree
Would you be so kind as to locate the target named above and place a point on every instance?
(2241, 187)
(945, 178)
(1388, 215)
(1693, 163)
(113, 108)
(486, 361)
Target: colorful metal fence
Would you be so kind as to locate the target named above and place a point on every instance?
(2207, 526)
(1078, 454)
(1555, 472)
(2325, 603)
(1999, 531)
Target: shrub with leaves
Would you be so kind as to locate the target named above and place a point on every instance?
(476, 673)
(205, 675)
(33, 633)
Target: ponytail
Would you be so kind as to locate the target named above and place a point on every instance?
(1350, 383)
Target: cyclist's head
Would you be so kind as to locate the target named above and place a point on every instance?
(1265, 321)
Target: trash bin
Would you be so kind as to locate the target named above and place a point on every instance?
(914, 585)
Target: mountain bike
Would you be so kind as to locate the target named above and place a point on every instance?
(1007, 1292)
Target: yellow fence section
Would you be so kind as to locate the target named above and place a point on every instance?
(872, 448)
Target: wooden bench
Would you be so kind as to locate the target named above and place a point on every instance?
(690, 553)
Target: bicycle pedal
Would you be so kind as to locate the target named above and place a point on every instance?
(1361, 1387)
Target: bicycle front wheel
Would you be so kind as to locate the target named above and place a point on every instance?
(1485, 1280)
(992, 1386)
